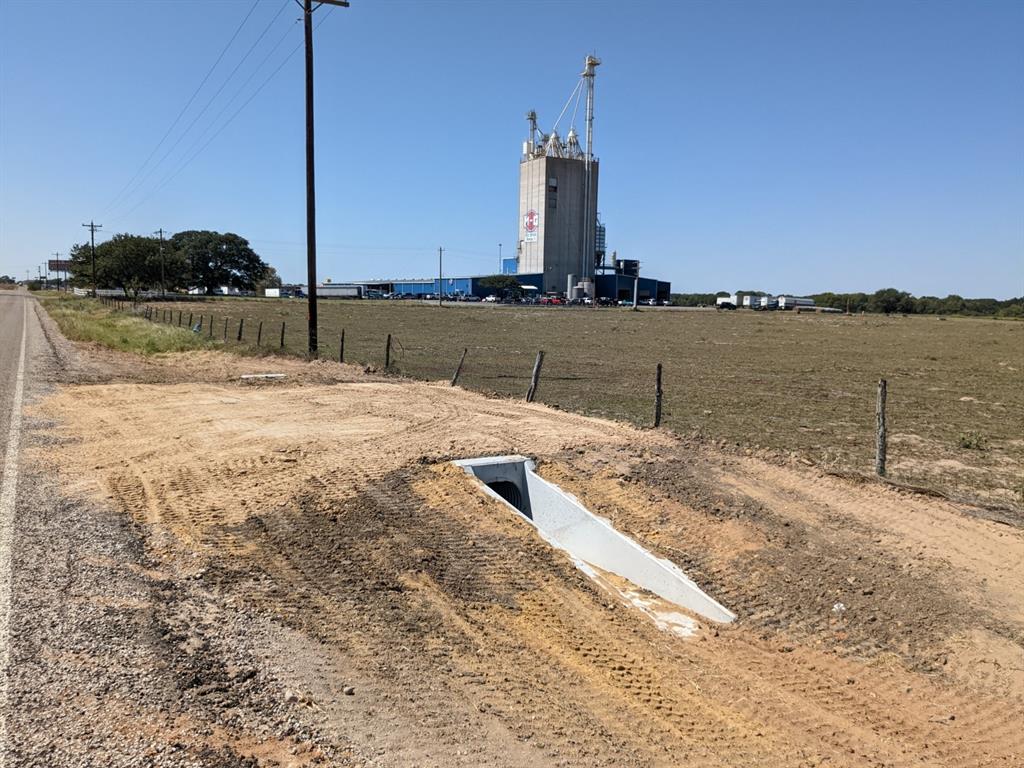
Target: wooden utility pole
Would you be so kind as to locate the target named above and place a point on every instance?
(880, 436)
(307, 24)
(440, 275)
(92, 227)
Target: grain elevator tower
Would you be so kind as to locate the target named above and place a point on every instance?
(558, 199)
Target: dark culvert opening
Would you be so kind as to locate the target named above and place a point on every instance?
(510, 492)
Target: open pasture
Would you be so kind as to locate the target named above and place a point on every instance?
(793, 383)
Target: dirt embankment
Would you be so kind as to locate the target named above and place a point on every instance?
(407, 619)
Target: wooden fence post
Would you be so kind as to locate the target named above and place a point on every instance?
(880, 429)
(387, 353)
(458, 368)
(282, 334)
(241, 324)
(259, 334)
(341, 347)
(211, 326)
(225, 329)
(657, 396)
(190, 321)
(535, 378)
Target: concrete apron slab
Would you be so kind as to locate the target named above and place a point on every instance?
(593, 543)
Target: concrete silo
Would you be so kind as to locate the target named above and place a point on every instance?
(558, 199)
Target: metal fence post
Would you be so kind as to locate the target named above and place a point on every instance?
(880, 436)
(458, 368)
(657, 396)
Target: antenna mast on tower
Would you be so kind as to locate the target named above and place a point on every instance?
(590, 216)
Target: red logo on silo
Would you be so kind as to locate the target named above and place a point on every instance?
(530, 220)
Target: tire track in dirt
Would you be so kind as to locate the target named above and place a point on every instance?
(329, 513)
(978, 548)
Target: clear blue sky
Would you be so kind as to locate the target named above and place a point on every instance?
(783, 146)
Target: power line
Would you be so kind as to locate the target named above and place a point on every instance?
(185, 108)
(210, 101)
(254, 94)
(239, 90)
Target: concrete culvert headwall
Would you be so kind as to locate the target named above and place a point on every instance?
(565, 523)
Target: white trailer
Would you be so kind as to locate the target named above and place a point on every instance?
(792, 302)
(339, 291)
(730, 301)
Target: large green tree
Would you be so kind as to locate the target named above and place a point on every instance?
(215, 259)
(130, 262)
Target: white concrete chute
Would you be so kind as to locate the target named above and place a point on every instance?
(566, 524)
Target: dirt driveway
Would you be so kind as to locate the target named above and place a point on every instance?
(321, 554)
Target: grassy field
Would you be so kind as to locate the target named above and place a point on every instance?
(801, 383)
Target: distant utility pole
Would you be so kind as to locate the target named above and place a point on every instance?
(161, 233)
(56, 255)
(307, 23)
(92, 242)
(440, 275)
(500, 270)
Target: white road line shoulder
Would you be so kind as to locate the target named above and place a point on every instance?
(8, 494)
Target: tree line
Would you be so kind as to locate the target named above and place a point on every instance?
(884, 301)
(192, 260)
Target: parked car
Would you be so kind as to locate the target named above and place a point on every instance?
(492, 299)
